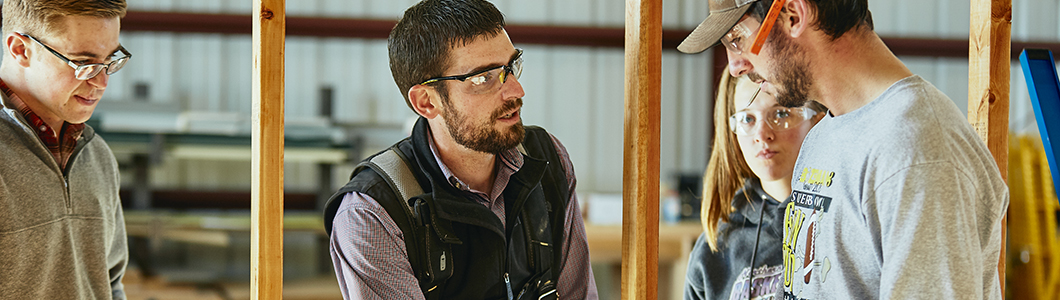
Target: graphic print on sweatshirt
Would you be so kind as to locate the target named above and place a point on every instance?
(802, 216)
(765, 285)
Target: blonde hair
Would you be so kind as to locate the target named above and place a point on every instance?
(727, 169)
(40, 17)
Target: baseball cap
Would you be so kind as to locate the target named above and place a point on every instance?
(723, 15)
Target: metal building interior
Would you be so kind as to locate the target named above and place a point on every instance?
(178, 120)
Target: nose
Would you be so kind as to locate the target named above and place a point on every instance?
(738, 65)
(511, 89)
(100, 81)
(763, 132)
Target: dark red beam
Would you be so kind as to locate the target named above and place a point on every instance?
(373, 29)
(529, 34)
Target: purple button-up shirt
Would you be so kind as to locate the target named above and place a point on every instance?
(368, 249)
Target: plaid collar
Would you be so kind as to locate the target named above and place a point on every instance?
(61, 147)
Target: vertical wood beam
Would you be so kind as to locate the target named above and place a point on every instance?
(266, 208)
(989, 47)
(640, 179)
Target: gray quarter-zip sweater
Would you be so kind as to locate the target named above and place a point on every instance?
(62, 234)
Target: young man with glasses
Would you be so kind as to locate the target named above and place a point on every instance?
(61, 228)
(895, 196)
(473, 205)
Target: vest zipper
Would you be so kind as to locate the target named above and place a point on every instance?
(509, 284)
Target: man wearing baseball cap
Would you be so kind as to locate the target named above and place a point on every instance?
(894, 196)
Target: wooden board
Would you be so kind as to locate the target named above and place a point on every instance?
(266, 227)
(640, 179)
(989, 50)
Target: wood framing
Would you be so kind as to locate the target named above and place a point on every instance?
(989, 48)
(640, 179)
(266, 207)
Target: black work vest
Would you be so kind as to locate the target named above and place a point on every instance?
(484, 253)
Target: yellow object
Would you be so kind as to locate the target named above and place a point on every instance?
(1034, 249)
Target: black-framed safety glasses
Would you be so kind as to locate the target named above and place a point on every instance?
(488, 80)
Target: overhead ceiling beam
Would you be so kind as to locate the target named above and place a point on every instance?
(611, 37)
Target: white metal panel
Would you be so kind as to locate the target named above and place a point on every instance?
(954, 18)
(191, 84)
(608, 112)
(200, 6)
(388, 103)
(342, 8)
(211, 71)
(527, 12)
(1034, 20)
(669, 138)
(571, 13)
(538, 68)
(161, 5)
(386, 9)
(671, 14)
(693, 12)
(885, 16)
(695, 111)
(302, 88)
(610, 13)
(303, 8)
(237, 7)
(1021, 112)
(350, 77)
(952, 79)
(237, 73)
(916, 18)
(571, 101)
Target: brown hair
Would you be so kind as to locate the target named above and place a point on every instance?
(39, 17)
(420, 44)
(727, 169)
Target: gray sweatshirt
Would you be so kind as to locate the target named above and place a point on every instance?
(899, 199)
(62, 236)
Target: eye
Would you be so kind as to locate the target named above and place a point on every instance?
(781, 114)
(745, 118)
(481, 79)
(735, 40)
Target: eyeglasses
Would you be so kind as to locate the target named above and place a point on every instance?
(778, 118)
(88, 71)
(737, 38)
(488, 80)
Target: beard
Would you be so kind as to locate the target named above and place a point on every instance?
(483, 136)
(791, 71)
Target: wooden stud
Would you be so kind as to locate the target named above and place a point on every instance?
(266, 208)
(640, 179)
(989, 45)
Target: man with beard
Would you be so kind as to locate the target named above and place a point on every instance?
(473, 205)
(894, 195)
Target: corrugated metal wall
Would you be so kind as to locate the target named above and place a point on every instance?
(575, 92)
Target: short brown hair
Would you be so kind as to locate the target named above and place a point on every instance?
(420, 43)
(39, 17)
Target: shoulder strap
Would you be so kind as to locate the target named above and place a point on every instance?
(420, 246)
(392, 167)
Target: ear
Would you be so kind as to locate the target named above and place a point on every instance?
(425, 101)
(15, 46)
(797, 15)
